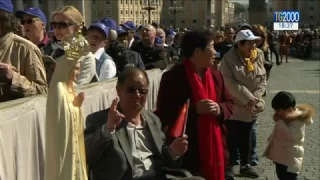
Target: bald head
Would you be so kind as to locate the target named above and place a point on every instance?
(150, 28)
(131, 72)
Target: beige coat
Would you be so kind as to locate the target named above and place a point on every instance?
(244, 85)
(30, 77)
(285, 144)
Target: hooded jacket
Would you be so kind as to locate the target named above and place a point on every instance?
(285, 144)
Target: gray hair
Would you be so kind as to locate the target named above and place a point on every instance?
(113, 35)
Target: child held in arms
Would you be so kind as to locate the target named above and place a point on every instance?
(285, 144)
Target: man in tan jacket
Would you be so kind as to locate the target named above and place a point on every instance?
(22, 72)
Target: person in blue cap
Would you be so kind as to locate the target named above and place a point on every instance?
(122, 36)
(113, 28)
(34, 22)
(121, 54)
(22, 73)
(98, 38)
(130, 27)
(170, 36)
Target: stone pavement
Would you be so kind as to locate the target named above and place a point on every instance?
(302, 78)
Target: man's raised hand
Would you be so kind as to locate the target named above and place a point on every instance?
(114, 116)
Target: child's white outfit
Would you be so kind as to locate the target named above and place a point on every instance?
(285, 144)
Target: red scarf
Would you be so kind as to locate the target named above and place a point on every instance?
(209, 133)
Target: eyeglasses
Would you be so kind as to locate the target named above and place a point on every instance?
(60, 25)
(133, 90)
(28, 21)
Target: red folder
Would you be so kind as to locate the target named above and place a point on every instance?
(179, 128)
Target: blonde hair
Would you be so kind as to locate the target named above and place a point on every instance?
(259, 30)
(160, 31)
(72, 13)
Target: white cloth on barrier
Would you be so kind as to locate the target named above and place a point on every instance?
(22, 127)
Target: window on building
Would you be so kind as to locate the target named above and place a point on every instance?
(108, 12)
(140, 22)
(121, 12)
(311, 8)
(126, 1)
(194, 3)
(131, 2)
(183, 21)
(194, 21)
(121, 1)
(94, 1)
(94, 13)
(126, 11)
(131, 12)
(107, 1)
(311, 17)
(137, 12)
(270, 9)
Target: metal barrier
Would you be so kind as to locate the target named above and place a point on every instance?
(22, 126)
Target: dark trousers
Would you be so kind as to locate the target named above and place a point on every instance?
(274, 50)
(254, 154)
(283, 174)
(239, 138)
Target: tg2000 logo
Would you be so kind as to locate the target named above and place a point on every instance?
(286, 16)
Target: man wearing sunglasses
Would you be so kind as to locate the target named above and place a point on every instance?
(126, 142)
(22, 73)
(34, 22)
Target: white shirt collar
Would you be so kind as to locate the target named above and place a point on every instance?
(130, 43)
(98, 53)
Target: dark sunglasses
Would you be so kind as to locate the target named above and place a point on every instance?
(133, 90)
(60, 25)
(28, 21)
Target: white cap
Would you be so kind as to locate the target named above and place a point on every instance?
(246, 35)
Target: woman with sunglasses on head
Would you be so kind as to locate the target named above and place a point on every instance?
(65, 22)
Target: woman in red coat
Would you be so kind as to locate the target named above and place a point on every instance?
(210, 105)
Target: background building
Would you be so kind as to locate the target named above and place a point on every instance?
(92, 10)
(229, 13)
(309, 9)
(187, 13)
(127, 10)
(196, 13)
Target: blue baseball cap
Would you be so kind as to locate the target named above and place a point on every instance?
(109, 23)
(33, 11)
(129, 25)
(121, 31)
(158, 41)
(6, 5)
(105, 29)
(170, 32)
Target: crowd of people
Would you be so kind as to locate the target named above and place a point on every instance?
(221, 78)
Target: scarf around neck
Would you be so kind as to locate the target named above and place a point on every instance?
(209, 133)
(249, 61)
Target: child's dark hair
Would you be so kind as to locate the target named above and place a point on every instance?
(283, 100)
